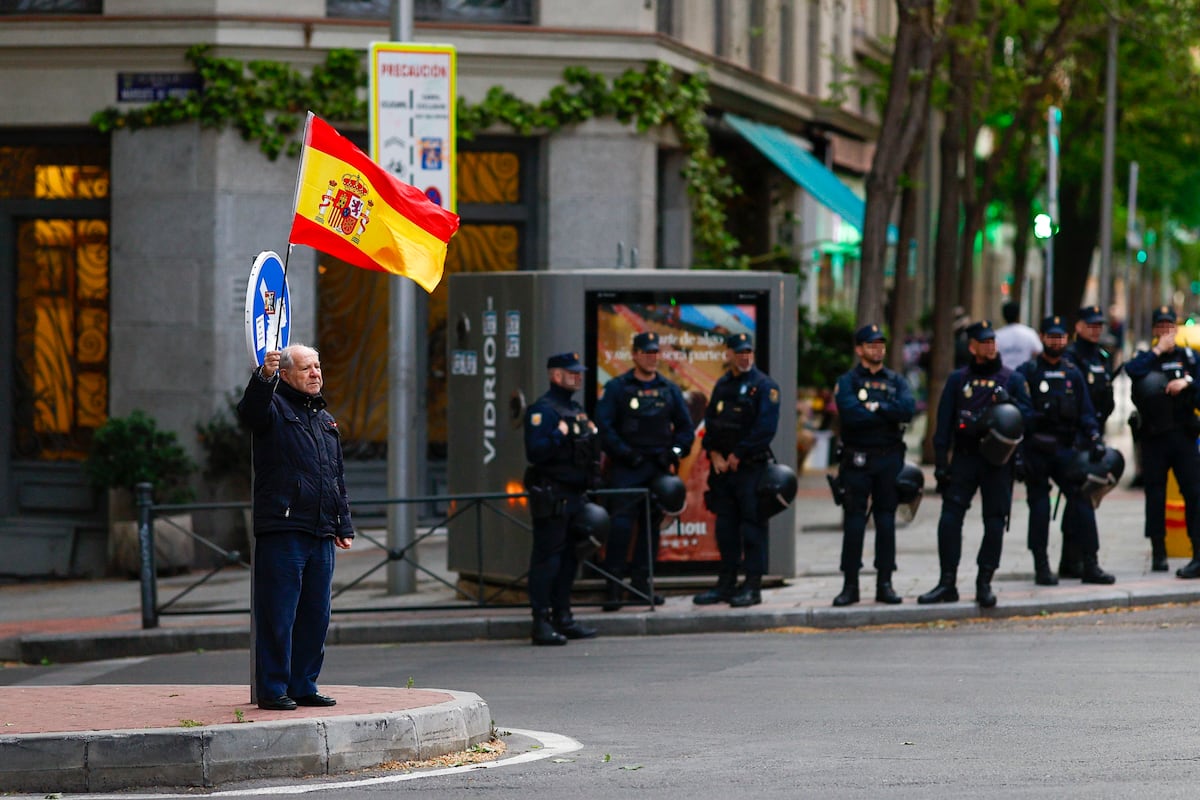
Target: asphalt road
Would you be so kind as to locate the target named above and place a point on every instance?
(1088, 705)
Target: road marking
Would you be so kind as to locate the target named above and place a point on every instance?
(552, 744)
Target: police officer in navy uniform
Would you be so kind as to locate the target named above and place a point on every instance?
(1165, 394)
(645, 430)
(1095, 363)
(968, 394)
(563, 451)
(874, 405)
(739, 424)
(1063, 420)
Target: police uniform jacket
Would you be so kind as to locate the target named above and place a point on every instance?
(966, 396)
(1160, 412)
(299, 481)
(568, 459)
(643, 418)
(742, 415)
(1062, 406)
(862, 428)
(1093, 360)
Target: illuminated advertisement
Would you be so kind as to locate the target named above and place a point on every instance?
(691, 328)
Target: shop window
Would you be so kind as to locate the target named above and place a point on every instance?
(59, 255)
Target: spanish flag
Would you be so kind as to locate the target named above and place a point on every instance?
(351, 208)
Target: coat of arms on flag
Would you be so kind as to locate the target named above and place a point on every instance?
(347, 206)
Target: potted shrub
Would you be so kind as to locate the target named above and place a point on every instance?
(126, 451)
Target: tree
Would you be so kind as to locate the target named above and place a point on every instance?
(904, 118)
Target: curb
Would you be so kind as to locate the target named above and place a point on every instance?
(95, 761)
(78, 647)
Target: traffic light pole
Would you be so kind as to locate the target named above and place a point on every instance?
(1053, 116)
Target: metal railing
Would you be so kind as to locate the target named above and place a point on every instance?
(459, 505)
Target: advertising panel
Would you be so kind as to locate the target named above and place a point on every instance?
(691, 327)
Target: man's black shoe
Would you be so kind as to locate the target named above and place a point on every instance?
(281, 703)
(944, 592)
(568, 627)
(1159, 564)
(884, 593)
(1190, 569)
(315, 700)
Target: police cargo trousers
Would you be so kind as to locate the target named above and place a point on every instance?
(552, 561)
(1173, 450)
(733, 498)
(970, 472)
(874, 484)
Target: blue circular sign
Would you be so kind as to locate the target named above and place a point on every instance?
(268, 307)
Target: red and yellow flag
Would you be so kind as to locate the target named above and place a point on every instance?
(351, 208)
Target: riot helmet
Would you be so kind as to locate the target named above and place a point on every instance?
(589, 528)
(910, 488)
(1002, 428)
(776, 490)
(1150, 395)
(1095, 479)
(669, 493)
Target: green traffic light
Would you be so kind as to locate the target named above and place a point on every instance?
(1141, 256)
(1042, 226)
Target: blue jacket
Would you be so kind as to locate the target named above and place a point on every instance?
(742, 415)
(883, 427)
(299, 481)
(643, 417)
(967, 394)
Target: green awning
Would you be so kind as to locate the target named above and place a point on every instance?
(789, 154)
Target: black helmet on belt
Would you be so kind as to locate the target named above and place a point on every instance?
(1150, 394)
(1096, 478)
(776, 490)
(1003, 428)
(670, 493)
(910, 488)
(589, 528)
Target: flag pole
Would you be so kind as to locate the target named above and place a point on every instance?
(279, 320)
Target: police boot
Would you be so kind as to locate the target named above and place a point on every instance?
(884, 593)
(721, 593)
(945, 592)
(1158, 555)
(566, 625)
(983, 588)
(750, 594)
(1042, 575)
(1190, 569)
(614, 592)
(1093, 574)
(849, 594)
(641, 583)
(1070, 564)
(543, 631)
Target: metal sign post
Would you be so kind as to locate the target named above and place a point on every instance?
(412, 105)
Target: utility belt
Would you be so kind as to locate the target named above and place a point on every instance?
(547, 497)
(864, 457)
(1048, 443)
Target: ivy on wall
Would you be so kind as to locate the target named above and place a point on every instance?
(265, 101)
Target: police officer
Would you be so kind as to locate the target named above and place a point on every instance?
(874, 405)
(739, 423)
(968, 394)
(1062, 419)
(1164, 393)
(562, 448)
(645, 430)
(1095, 363)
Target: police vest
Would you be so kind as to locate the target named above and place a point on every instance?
(1055, 397)
(644, 414)
(973, 399)
(736, 405)
(877, 388)
(1099, 382)
(576, 462)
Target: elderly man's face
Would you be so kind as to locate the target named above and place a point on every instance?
(304, 375)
